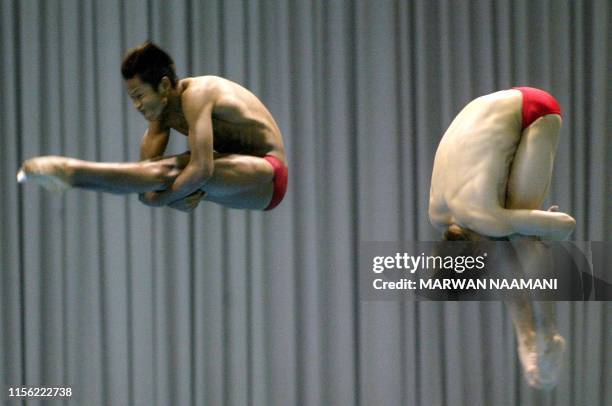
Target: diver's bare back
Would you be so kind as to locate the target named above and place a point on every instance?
(241, 122)
(474, 157)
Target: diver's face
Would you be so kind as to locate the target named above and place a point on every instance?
(145, 99)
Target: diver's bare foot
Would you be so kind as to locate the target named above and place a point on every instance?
(50, 172)
(542, 359)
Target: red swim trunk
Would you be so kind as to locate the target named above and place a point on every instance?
(537, 103)
(281, 175)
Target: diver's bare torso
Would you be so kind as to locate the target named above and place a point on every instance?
(241, 123)
(475, 152)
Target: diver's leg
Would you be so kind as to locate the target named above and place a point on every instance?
(532, 166)
(238, 181)
(241, 182)
(56, 173)
(529, 179)
(540, 346)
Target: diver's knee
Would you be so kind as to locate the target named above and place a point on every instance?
(164, 172)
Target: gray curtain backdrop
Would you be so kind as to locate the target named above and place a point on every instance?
(130, 305)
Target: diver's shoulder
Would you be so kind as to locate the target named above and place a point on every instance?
(201, 89)
(200, 83)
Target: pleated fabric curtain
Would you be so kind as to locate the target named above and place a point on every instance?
(130, 305)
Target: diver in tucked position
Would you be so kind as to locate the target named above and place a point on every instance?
(236, 155)
(491, 173)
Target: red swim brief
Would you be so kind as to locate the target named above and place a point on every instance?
(537, 103)
(281, 175)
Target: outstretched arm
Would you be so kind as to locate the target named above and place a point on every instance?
(547, 225)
